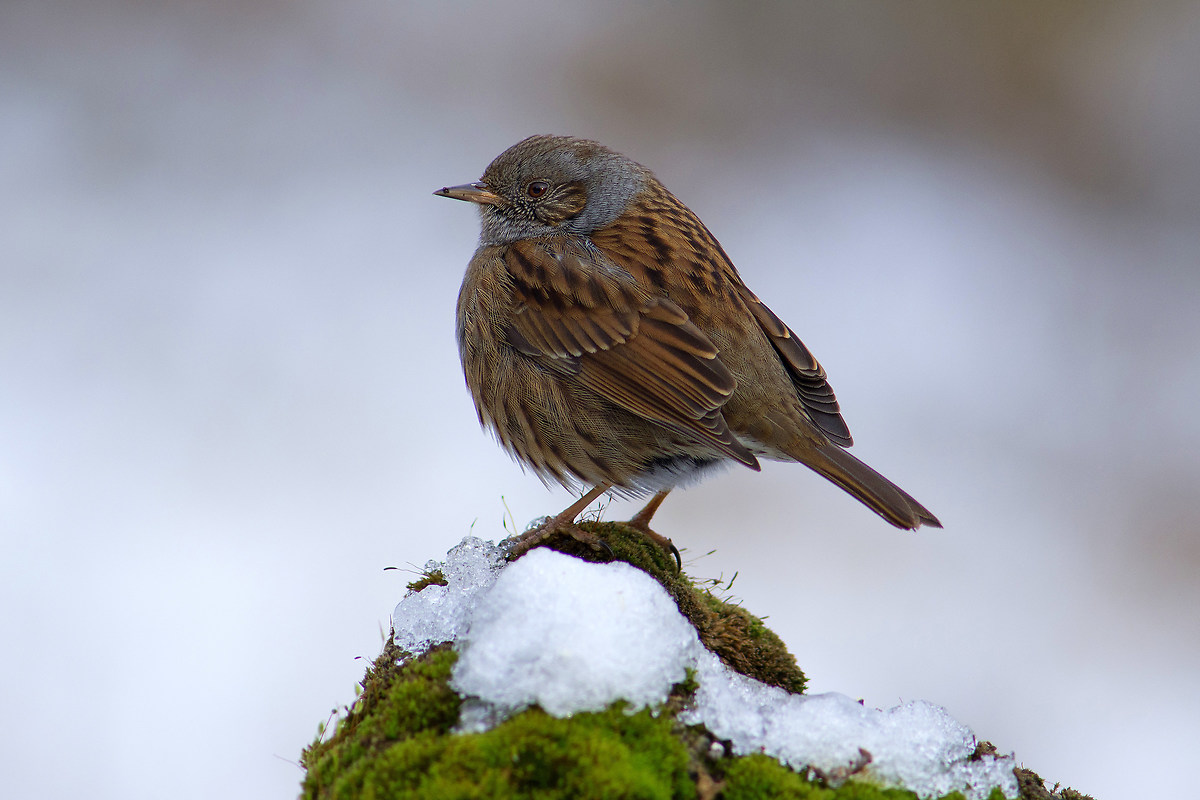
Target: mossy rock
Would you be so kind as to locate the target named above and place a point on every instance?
(396, 741)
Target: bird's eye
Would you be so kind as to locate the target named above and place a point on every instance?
(536, 189)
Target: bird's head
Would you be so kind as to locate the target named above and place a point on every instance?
(547, 185)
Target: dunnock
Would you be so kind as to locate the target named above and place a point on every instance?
(608, 340)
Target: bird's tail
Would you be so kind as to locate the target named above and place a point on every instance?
(872, 489)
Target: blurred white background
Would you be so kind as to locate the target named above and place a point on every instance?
(230, 396)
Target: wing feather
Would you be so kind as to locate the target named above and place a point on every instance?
(808, 376)
(583, 315)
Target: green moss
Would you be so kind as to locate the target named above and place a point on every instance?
(431, 578)
(757, 777)
(395, 743)
(602, 755)
(397, 703)
(746, 645)
(1034, 788)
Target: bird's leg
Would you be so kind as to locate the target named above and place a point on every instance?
(563, 523)
(641, 521)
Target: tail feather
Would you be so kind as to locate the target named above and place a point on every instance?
(872, 489)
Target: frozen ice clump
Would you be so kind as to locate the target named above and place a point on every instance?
(572, 636)
(439, 614)
(926, 747)
(918, 745)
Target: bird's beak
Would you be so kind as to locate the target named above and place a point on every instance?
(474, 192)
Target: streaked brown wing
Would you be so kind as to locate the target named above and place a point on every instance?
(582, 315)
(807, 375)
(693, 254)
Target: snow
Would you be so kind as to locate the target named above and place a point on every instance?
(439, 614)
(515, 653)
(570, 636)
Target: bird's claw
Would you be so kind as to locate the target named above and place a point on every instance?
(547, 527)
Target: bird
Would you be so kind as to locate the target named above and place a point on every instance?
(608, 341)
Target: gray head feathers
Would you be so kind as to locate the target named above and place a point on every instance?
(557, 184)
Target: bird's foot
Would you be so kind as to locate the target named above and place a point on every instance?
(549, 527)
(665, 544)
(521, 544)
(641, 522)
